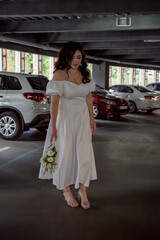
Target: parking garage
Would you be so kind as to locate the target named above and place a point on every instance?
(125, 198)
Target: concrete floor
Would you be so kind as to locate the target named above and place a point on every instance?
(125, 199)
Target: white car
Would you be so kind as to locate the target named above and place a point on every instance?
(139, 97)
(23, 104)
(154, 87)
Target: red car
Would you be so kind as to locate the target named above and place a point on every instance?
(108, 104)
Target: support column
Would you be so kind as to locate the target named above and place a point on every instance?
(17, 61)
(131, 72)
(51, 67)
(40, 64)
(4, 60)
(142, 77)
(119, 75)
(157, 76)
(101, 74)
(35, 64)
(22, 62)
(0, 59)
(110, 75)
(134, 75)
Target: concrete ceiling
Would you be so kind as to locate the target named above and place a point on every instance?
(42, 26)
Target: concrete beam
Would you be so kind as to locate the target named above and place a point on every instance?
(139, 22)
(26, 7)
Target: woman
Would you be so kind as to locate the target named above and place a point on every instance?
(72, 124)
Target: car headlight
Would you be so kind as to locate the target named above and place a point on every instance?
(107, 101)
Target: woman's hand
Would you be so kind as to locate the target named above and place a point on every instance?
(93, 125)
(53, 134)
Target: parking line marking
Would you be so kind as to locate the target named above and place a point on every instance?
(20, 157)
(3, 149)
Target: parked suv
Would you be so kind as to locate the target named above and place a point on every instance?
(23, 104)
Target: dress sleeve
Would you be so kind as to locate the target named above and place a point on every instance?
(92, 85)
(54, 87)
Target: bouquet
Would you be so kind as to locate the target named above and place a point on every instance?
(49, 161)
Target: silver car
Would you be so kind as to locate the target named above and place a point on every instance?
(139, 97)
(23, 104)
(154, 87)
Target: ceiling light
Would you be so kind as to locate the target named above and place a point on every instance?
(123, 21)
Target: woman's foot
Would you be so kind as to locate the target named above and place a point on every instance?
(71, 201)
(82, 196)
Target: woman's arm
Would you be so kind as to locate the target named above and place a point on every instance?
(89, 101)
(53, 113)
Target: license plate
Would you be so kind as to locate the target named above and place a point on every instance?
(123, 107)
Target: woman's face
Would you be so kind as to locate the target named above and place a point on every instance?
(76, 59)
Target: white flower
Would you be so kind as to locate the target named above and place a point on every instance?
(50, 153)
(49, 165)
(50, 159)
(44, 164)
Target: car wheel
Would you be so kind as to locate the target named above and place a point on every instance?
(133, 107)
(95, 110)
(10, 126)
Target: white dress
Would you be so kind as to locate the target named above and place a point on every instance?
(76, 163)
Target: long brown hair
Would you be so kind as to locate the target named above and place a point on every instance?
(65, 56)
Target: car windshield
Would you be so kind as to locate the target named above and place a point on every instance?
(142, 89)
(38, 83)
(99, 89)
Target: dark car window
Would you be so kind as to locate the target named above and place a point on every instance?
(13, 83)
(158, 87)
(125, 89)
(152, 86)
(38, 83)
(142, 89)
(2, 83)
(114, 88)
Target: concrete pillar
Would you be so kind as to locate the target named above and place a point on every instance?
(0, 59)
(35, 64)
(17, 61)
(110, 75)
(4, 60)
(101, 74)
(157, 76)
(131, 77)
(40, 64)
(119, 75)
(22, 62)
(134, 75)
(142, 77)
(51, 67)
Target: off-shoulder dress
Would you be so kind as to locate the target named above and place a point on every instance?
(76, 162)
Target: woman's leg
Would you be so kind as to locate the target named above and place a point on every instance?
(69, 197)
(82, 194)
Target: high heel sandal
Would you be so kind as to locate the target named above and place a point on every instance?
(84, 204)
(71, 202)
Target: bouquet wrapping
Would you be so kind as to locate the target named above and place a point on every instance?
(49, 160)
